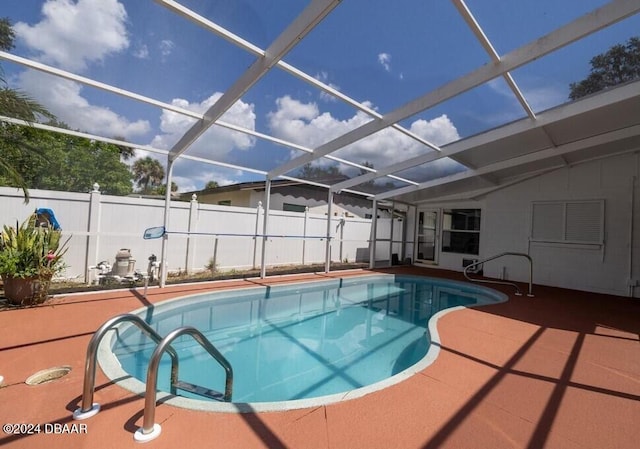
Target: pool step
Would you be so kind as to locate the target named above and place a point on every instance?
(200, 391)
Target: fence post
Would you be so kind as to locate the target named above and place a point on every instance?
(93, 230)
(193, 227)
(327, 254)
(265, 228)
(255, 234)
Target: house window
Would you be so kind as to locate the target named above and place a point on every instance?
(288, 207)
(568, 222)
(461, 231)
(224, 203)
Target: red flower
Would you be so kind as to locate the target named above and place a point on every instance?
(50, 256)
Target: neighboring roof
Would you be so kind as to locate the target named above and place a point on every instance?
(259, 186)
(256, 185)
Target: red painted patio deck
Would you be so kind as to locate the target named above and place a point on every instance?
(561, 370)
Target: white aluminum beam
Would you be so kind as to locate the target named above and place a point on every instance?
(327, 244)
(554, 152)
(480, 192)
(151, 149)
(167, 106)
(185, 12)
(247, 46)
(471, 21)
(165, 153)
(265, 228)
(295, 32)
(589, 23)
(164, 266)
(255, 50)
(561, 112)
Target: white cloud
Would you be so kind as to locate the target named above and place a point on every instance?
(166, 48)
(141, 52)
(438, 131)
(216, 142)
(304, 124)
(384, 59)
(64, 99)
(73, 34)
(540, 95)
(545, 96)
(324, 77)
(190, 176)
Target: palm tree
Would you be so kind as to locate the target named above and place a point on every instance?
(148, 173)
(16, 104)
(126, 153)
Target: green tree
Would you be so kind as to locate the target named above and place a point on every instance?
(619, 64)
(374, 185)
(7, 35)
(312, 172)
(16, 104)
(211, 185)
(126, 153)
(72, 163)
(148, 174)
(162, 190)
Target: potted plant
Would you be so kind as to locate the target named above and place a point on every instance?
(30, 256)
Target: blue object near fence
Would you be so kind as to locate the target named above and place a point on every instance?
(44, 215)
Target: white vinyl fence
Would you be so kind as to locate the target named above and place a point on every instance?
(100, 225)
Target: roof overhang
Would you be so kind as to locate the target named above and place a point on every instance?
(601, 125)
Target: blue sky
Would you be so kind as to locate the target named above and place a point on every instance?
(378, 52)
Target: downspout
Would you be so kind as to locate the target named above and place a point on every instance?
(165, 237)
(393, 211)
(265, 223)
(631, 220)
(416, 224)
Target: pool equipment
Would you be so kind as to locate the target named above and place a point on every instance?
(122, 271)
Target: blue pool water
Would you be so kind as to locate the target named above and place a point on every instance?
(300, 341)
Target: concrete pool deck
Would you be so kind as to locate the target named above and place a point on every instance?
(561, 370)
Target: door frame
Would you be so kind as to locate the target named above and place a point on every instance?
(436, 236)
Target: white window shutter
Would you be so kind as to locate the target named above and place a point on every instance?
(584, 222)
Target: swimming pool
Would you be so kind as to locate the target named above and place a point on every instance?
(297, 345)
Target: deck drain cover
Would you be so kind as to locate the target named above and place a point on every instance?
(48, 375)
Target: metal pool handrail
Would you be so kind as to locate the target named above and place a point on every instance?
(150, 429)
(88, 408)
(486, 281)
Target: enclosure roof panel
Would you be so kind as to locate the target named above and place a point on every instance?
(397, 100)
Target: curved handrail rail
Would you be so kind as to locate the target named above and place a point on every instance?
(149, 429)
(88, 408)
(486, 281)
